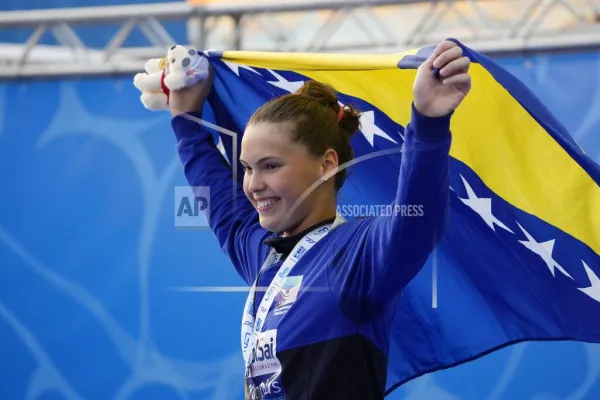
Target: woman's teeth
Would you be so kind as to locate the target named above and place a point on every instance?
(264, 204)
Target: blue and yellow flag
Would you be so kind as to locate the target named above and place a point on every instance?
(521, 258)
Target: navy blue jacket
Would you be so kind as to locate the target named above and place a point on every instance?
(331, 343)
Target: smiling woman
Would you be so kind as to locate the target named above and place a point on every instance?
(305, 137)
(320, 329)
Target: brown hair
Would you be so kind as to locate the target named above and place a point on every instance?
(314, 109)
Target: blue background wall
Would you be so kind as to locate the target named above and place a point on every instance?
(89, 256)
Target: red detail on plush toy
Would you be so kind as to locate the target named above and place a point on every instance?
(165, 89)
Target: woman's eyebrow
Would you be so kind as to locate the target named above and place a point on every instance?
(262, 159)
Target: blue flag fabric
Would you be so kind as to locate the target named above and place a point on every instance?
(521, 258)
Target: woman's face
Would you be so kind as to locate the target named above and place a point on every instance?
(278, 172)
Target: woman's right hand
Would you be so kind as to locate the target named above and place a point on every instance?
(191, 99)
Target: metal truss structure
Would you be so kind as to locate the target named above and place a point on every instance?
(357, 26)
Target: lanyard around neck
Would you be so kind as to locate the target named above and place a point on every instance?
(251, 325)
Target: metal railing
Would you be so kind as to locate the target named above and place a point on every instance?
(316, 26)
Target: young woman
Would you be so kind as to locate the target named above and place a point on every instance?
(316, 324)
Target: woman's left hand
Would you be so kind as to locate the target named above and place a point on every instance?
(435, 97)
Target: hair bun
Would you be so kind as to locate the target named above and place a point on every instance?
(326, 95)
(320, 92)
(350, 121)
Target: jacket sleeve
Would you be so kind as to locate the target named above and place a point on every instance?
(391, 250)
(230, 215)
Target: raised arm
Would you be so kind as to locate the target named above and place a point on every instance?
(231, 217)
(393, 249)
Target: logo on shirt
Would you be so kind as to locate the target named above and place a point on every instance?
(287, 295)
(263, 359)
(263, 377)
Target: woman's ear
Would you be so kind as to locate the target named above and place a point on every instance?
(329, 164)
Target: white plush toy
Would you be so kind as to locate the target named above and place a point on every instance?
(181, 68)
(186, 67)
(150, 83)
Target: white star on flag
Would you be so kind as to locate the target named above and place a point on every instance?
(284, 84)
(482, 206)
(544, 250)
(368, 127)
(235, 67)
(207, 52)
(370, 130)
(222, 149)
(594, 289)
